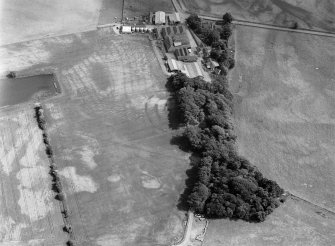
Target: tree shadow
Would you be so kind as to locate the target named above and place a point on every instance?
(192, 178)
(174, 114)
(175, 118)
(181, 142)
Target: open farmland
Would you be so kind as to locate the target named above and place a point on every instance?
(137, 8)
(111, 11)
(29, 214)
(293, 223)
(285, 123)
(109, 131)
(311, 14)
(25, 20)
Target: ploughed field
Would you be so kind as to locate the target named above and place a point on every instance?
(109, 131)
(285, 124)
(311, 14)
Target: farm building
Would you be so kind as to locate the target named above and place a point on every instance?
(175, 65)
(173, 18)
(172, 30)
(159, 18)
(184, 54)
(126, 29)
(193, 69)
(211, 64)
(172, 43)
(190, 69)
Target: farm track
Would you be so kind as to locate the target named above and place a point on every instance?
(188, 229)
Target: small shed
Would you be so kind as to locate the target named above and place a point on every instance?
(126, 29)
(159, 18)
(174, 18)
(213, 64)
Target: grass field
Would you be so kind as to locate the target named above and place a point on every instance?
(137, 8)
(110, 134)
(109, 10)
(25, 20)
(311, 14)
(293, 223)
(285, 109)
(285, 123)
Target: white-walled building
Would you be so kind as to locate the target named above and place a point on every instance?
(159, 18)
(126, 29)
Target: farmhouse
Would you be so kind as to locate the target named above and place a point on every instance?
(159, 18)
(184, 54)
(126, 29)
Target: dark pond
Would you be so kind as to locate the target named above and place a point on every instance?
(20, 90)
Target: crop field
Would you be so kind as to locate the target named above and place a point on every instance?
(285, 121)
(311, 14)
(25, 20)
(110, 134)
(137, 8)
(29, 214)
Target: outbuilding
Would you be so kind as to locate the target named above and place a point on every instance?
(126, 29)
(159, 18)
(174, 18)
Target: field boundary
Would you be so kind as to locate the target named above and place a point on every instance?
(295, 197)
(53, 172)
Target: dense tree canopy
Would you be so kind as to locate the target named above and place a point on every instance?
(217, 38)
(227, 185)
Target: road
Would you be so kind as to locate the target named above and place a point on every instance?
(186, 239)
(184, 14)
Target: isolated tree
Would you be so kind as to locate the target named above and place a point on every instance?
(70, 243)
(227, 18)
(295, 25)
(11, 75)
